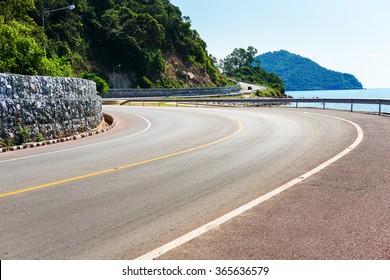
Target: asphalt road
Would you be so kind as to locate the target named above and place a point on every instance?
(340, 213)
(160, 173)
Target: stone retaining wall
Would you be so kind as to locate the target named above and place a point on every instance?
(166, 92)
(36, 108)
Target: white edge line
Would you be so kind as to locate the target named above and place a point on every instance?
(86, 146)
(219, 221)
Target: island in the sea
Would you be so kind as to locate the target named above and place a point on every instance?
(300, 73)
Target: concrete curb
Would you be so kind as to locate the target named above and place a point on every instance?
(107, 118)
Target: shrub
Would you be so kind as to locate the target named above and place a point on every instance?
(101, 84)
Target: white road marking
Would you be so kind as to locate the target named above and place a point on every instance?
(219, 221)
(149, 125)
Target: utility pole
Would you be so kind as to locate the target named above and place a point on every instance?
(113, 73)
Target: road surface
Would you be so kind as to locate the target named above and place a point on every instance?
(160, 173)
(245, 87)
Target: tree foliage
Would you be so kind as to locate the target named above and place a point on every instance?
(141, 35)
(101, 85)
(21, 41)
(238, 65)
(239, 58)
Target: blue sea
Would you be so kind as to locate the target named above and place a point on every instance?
(381, 93)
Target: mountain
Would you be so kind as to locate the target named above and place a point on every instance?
(300, 73)
(152, 42)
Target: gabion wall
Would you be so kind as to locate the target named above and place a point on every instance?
(36, 107)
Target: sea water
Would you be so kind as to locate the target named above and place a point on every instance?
(381, 93)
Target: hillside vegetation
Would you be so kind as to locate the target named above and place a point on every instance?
(150, 40)
(237, 65)
(299, 73)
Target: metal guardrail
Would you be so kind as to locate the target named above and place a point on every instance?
(169, 92)
(267, 101)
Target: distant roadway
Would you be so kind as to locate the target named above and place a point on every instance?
(158, 174)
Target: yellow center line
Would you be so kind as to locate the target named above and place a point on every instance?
(77, 178)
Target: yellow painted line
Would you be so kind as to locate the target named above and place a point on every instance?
(81, 177)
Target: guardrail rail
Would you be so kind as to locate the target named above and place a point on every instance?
(266, 101)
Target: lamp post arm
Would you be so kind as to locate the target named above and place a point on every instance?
(71, 7)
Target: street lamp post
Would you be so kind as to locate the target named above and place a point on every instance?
(43, 13)
(113, 73)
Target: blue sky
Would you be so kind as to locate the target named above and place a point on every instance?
(351, 36)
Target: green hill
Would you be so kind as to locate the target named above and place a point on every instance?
(150, 40)
(237, 65)
(299, 73)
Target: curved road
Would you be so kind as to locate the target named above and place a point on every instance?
(160, 173)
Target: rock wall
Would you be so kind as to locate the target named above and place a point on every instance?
(36, 108)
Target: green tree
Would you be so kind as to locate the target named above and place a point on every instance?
(21, 43)
(238, 59)
(19, 49)
(238, 65)
(101, 84)
(16, 10)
